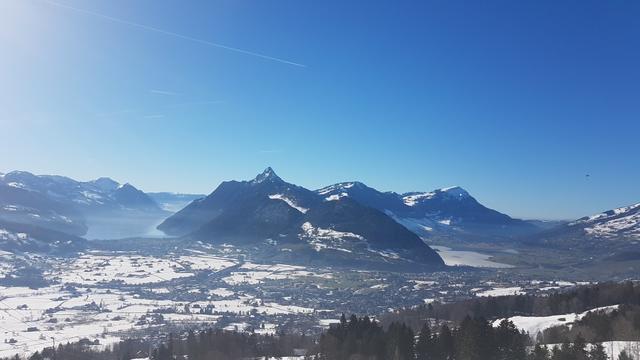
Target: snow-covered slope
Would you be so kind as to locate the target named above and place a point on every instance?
(453, 193)
(23, 206)
(289, 202)
(96, 195)
(16, 238)
(617, 230)
(620, 223)
(535, 324)
(100, 208)
(269, 210)
(264, 204)
(446, 211)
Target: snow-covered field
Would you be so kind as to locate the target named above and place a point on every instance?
(205, 262)
(105, 296)
(91, 269)
(515, 290)
(110, 295)
(250, 273)
(34, 319)
(535, 324)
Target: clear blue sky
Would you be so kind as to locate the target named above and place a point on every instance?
(516, 101)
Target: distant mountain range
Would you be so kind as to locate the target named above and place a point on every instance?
(16, 237)
(101, 208)
(268, 210)
(614, 228)
(335, 218)
(345, 221)
(621, 223)
(20, 205)
(449, 211)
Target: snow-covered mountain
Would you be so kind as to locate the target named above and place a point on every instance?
(29, 207)
(268, 210)
(267, 192)
(19, 238)
(447, 211)
(101, 208)
(610, 229)
(621, 223)
(97, 195)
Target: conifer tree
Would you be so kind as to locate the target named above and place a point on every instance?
(539, 353)
(578, 348)
(424, 343)
(597, 353)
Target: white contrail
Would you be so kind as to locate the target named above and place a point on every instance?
(163, 92)
(170, 33)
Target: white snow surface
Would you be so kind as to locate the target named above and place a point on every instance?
(6, 235)
(321, 239)
(205, 262)
(251, 273)
(412, 200)
(454, 192)
(606, 214)
(467, 258)
(336, 197)
(535, 324)
(613, 223)
(332, 188)
(515, 290)
(289, 202)
(82, 304)
(626, 225)
(93, 268)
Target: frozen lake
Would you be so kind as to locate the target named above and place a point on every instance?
(467, 258)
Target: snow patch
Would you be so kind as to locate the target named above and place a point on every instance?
(515, 290)
(454, 192)
(289, 202)
(336, 197)
(412, 200)
(535, 324)
(332, 188)
(321, 239)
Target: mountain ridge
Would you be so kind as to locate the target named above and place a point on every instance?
(21, 238)
(450, 211)
(268, 209)
(97, 208)
(611, 228)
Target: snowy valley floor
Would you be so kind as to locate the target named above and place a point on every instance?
(108, 295)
